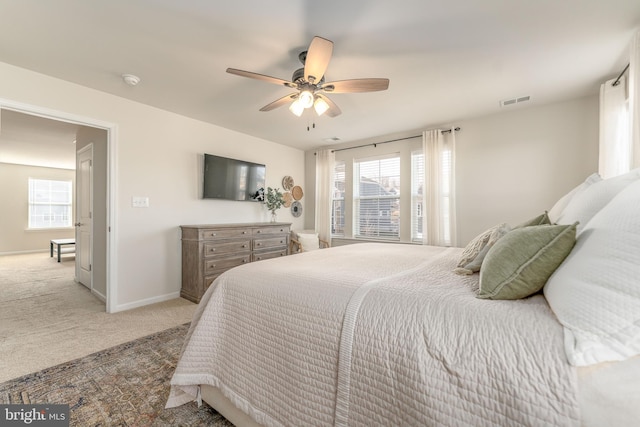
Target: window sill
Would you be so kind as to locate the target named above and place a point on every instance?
(49, 229)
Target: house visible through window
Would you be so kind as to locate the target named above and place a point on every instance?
(377, 197)
(50, 203)
(337, 208)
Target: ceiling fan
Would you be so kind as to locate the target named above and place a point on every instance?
(310, 84)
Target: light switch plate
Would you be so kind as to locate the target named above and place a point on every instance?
(140, 202)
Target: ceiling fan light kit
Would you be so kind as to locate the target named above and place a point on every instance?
(310, 83)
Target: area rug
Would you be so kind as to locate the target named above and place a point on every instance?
(126, 385)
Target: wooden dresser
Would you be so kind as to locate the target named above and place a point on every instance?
(211, 249)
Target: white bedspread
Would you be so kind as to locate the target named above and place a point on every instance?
(375, 334)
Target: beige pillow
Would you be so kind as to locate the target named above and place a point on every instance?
(520, 263)
(309, 242)
(539, 220)
(473, 254)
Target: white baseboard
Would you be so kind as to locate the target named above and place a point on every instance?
(24, 252)
(148, 301)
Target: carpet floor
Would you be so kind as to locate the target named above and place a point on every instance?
(46, 318)
(126, 385)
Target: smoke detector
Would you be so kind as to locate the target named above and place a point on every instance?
(130, 79)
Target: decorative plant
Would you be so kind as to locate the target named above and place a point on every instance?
(273, 199)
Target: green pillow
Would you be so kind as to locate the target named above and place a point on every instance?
(539, 220)
(520, 263)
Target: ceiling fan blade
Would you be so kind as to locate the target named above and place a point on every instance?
(280, 102)
(333, 110)
(356, 85)
(262, 77)
(318, 57)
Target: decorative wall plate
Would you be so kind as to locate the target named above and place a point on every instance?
(297, 192)
(296, 209)
(288, 198)
(287, 183)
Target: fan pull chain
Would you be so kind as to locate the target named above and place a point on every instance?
(313, 126)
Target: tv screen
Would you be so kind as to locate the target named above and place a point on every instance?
(232, 179)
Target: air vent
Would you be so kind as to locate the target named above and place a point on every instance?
(514, 101)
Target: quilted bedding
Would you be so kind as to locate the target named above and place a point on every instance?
(375, 334)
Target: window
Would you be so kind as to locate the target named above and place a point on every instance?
(377, 197)
(417, 204)
(337, 208)
(49, 203)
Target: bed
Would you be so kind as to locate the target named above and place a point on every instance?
(392, 334)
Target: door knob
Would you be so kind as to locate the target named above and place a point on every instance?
(77, 224)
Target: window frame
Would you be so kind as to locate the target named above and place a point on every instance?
(49, 201)
(383, 202)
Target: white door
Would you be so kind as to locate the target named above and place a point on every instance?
(84, 211)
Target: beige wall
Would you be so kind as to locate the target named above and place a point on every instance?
(510, 166)
(14, 222)
(156, 155)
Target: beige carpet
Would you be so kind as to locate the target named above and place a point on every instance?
(47, 319)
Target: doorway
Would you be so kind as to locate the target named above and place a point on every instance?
(101, 136)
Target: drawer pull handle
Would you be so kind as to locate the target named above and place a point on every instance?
(244, 232)
(212, 250)
(259, 258)
(244, 260)
(212, 266)
(244, 246)
(259, 231)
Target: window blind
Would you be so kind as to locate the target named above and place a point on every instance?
(377, 197)
(337, 209)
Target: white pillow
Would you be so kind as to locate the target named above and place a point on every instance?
(595, 293)
(555, 212)
(585, 204)
(309, 242)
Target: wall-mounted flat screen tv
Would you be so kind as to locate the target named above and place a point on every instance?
(232, 179)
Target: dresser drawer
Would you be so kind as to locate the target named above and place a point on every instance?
(271, 242)
(224, 233)
(268, 255)
(282, 229)
(214, 265)
(215, 248)
(207, 281)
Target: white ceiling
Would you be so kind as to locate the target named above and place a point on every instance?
(446, 60)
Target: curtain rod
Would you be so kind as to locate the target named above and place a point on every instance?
(392, 140)
(617, 82)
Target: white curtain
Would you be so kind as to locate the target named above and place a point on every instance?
(634, 99)
(325, 160)
(615, 149)
(439, 219)
(620, 119)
